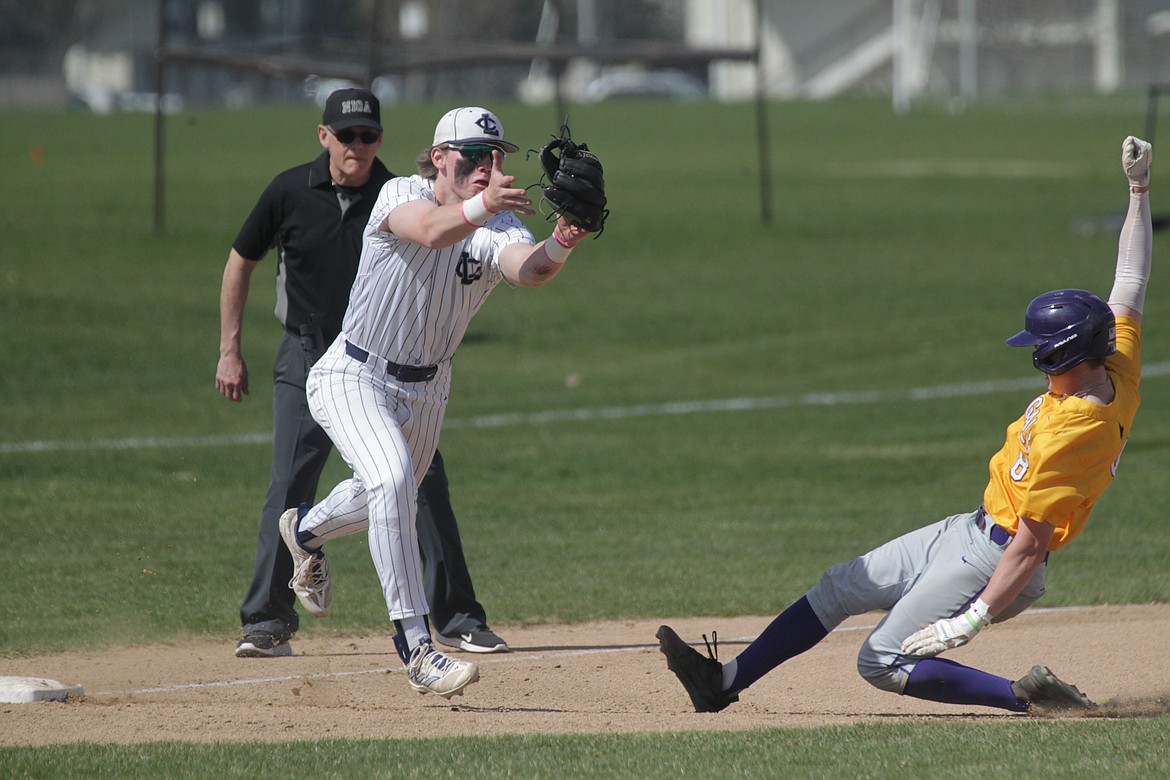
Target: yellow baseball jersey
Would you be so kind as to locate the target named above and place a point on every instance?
(1062, 453)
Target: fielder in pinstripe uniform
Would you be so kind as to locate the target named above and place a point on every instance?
(314, 215)
(435, 246)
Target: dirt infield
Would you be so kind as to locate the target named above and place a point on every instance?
(595, 677)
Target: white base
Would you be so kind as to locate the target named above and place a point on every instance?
(21, 690)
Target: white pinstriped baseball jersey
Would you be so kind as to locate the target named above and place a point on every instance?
(409, 305)
(412, 305)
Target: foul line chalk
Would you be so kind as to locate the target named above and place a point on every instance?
(962, 390)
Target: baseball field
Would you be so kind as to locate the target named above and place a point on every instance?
(696, 418)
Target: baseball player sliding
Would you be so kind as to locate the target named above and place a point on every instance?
(435, 246)
(944, 583)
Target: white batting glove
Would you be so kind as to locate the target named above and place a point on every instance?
(1136, 157)
(947, 633)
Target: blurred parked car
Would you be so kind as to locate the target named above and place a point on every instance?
(635, 82)
(385, 88)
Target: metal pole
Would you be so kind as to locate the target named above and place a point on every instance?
(375, 39)
(159, 119)
(559, 97)
(1152, 112)
(1107, 65)
(968, 52)
(765, 163)
(903, 41)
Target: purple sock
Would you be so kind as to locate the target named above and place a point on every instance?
(937, 679)
(795, 630)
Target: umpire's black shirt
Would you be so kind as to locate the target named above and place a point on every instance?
(317, 226)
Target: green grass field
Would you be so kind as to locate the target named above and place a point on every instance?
(594, 441)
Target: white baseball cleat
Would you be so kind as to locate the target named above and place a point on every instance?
(310, 580)
(429, 671)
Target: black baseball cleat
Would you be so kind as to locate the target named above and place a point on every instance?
(702, 677)
(1048, 693)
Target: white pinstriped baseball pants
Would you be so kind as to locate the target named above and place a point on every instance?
(387, 432)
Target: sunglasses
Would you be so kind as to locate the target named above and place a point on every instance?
(349, 135)
(474, 152)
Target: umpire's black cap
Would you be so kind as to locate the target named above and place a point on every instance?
(352, 107)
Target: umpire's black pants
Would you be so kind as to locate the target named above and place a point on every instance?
(299, 450)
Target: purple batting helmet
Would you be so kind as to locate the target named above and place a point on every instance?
(1066, 328)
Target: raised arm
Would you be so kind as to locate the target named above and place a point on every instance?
(1134, 246)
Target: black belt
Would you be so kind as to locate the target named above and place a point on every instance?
(998, 534)
(401, 373)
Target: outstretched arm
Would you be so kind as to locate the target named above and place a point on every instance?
(1134, 245)
(532, 266)
(438, 226)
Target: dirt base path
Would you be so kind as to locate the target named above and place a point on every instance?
(595, 677)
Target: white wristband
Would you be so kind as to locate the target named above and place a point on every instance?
(559, 251)
(977, 614)
(475, 211)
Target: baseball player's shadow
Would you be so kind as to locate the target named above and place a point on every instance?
(514, 649)
(581, 648)
(460, 706)
(958, 716)
(613, 648)
(389, 653)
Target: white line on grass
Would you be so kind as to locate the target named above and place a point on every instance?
(964, 169)
(516, 657)
(960, 390)
(135, 443)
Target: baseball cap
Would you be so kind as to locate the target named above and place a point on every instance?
(352, 107)
(472, 125)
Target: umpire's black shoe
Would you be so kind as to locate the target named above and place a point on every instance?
(1048, 693)
(702, 677)
(261, 644)
(480, 639)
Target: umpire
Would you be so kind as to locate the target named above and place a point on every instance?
(314, 214)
